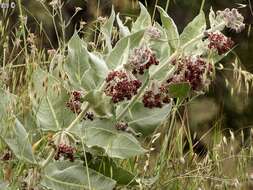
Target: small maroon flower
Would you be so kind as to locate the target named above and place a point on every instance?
(65, 151)
(219, 42)
(121, 86)
(141, 59)
(77, 95)
(121, 126)
(156, 96)
(74, 106)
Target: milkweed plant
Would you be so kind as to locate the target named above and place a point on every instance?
(91, 108)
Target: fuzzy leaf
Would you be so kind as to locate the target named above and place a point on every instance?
(143, 21)
(116, 144)
(85, 70)
(145, 120)
(15, 136)
(49, 106)
(119, 54)
(123, 30)
(66, 175)
(194, 28)
(170, 28)
(106, 29)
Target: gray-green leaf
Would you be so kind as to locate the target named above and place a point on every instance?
(143, 21)
(85, 70)
(171, 29)
(106, 29)
(66, 175)
(145, 120)
(123, 30)
(116, 144)
(15, 136)
(196, 27)
(119, 54)
(49, 101)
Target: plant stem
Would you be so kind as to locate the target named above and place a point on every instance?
(49, 158)
(167, 6)
(79, 117)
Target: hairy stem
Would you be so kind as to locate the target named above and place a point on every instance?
(79, 117)
(49, 158)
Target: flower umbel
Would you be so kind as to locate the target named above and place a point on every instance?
(232, 18)
(219, 42)
(192, 69)
(120, 86)
(65, 151)
(156, 96)
(141, 59)
(74, 103)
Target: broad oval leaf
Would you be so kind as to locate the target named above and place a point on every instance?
(145, 120)
(116, 144)
(85, 70)
(12, 132)
(66, 175)
(15, 136)
(49, 101)
(196, 27)
(119, 54)
(106, 29)
(143, 21)
(170, 28)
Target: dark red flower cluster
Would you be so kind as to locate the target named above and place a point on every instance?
(192, 70)
(65, 151)
(74, 103)
(121, 126)
(121, 86)
(156, 97)
(141, 59)
(219, 42)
